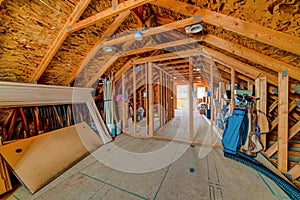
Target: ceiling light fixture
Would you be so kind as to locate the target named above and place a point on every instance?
(196, 28)
(138, 35)
(107, 49)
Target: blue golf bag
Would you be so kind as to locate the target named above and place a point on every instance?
(235, 132)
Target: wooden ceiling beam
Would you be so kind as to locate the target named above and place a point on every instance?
(152, 31)
(107, 34)
(253, 56)
(121, 7)
(239, 66)
(247, 70)
(253, 31)
(138, 17)
(238, 75)
(62, 35)
(173, 62)
(162, 46)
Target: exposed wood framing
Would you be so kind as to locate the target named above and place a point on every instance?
(162, 46)
(283, 133)
(106, 35)
(292, 132)
(138, 14)
(295, 172)
(190, 92)
(232, 102)
(126, 5)
(253, 56)
(160, 98)
(134, 100)
(62, 35)
(268, 36)
(124, 105)
(273, 106)
(261, 105)
(152, 31)
(237, 75)
(240, 67)
(150, 98)
(212, 98)
(274, 123)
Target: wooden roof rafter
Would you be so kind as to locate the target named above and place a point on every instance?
(138, 14)
(62, 35)
(106, 35)
(252, 55)
(153, 31)
(126, 5)
(129, 38)
(241, 67)
(253, 31)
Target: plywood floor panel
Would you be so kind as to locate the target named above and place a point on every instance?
(215, 177)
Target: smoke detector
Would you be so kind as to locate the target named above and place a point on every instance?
(196, 28)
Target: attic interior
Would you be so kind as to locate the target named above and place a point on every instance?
(147, 76)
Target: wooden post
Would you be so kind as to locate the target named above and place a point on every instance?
(212, 103)
(165, 98)
(174, 99)
(124, 105)
(170, 99)
(147, 97)
(160, 93)
(150, 99)
(191, 89)
(134, 100)
(283, 110)
(261, 105)
(232, 103)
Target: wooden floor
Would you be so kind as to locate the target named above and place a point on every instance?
(167, 170)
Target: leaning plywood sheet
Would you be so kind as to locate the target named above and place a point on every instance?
(37, 160)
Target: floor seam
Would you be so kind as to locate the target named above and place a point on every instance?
(114, 186)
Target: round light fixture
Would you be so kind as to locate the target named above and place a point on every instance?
(138, 35)
(196, 28)
(107, 49)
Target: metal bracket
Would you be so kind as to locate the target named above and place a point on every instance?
(69, 28)
(284, 73)
(197, 18)
(114, 6)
